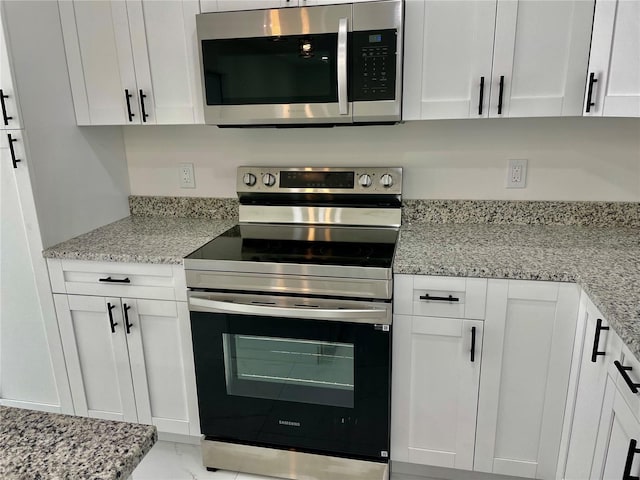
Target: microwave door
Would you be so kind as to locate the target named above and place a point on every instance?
(271, 67)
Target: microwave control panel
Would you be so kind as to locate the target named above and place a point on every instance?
(374, 65)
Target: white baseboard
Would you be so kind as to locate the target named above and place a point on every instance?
(411, 471)
(43, 407)
(177, 438)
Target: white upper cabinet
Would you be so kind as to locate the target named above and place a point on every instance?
(233, 5)
(504, 58)
(448, 54)
(9, 105)
(133, 62)
(613, 83)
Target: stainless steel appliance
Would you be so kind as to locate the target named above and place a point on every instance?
(335, 64)
(291, 324)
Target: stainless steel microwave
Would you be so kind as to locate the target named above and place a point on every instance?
(322, 65)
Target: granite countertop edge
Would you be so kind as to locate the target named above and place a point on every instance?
(39, 444)
(555, 253)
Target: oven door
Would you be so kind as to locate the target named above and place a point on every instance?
(290, 372)
(275, 66)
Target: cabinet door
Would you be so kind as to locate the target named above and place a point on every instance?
(9, 109)
(616, 458)
(24, 350)
(159, 340)
(615, 60)
(165, 53)
(232, 5)
(93, 338)
(100, 61)
(435, 390)
(311, 3)
(601, 346)
(528, 338)
(541, 54)
(448, 54)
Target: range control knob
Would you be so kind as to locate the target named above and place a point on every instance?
(269, 179)
(386, 180)
(365, 180)
(249, 179)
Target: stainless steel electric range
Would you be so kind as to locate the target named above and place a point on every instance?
(291, 325)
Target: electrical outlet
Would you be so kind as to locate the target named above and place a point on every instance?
(517, 173)
(187, 179)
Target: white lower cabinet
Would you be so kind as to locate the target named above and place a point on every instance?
(437, 363)
(528, 339)
(503, 418)
(127, 342)
(617, 455)
(595, 350)
(126, 359)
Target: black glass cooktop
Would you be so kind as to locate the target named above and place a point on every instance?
(347, 246)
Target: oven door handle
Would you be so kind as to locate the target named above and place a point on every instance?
(356, 315)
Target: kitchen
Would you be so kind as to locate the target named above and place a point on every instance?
(96, 168)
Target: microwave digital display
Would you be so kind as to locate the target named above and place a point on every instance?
(377, 38)
(307, 179)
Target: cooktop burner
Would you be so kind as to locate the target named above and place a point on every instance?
(346, 246)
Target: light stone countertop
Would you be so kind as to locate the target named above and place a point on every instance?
(40, 445)
(140, 239)
(605, 261)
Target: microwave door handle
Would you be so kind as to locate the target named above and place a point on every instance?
(342, 67)
(336, 314)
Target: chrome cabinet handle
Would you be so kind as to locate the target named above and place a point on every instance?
(338, 314)
(343, 106)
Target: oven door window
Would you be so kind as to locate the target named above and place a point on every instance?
(271, 70)
(306, 371)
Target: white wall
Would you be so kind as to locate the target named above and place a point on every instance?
(569, 158)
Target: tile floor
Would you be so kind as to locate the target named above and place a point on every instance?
(179, 461)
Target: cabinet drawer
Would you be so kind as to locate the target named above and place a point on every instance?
(136, 280)
(628, 360)
(453, 297)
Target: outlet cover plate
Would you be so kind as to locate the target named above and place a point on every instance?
(517, 173)
(187, 178)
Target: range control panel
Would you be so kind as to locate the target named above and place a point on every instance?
(374, 65)
(378, 180)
